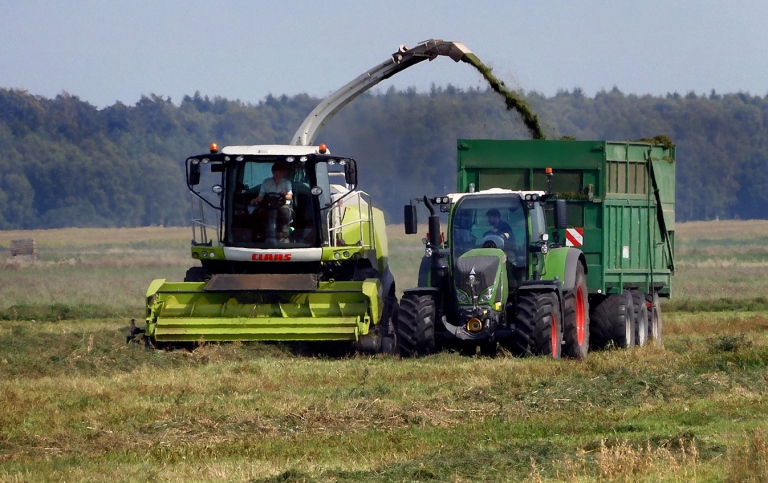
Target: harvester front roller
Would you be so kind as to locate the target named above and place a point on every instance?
(228, 311)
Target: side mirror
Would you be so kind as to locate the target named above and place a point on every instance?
(561, 214)
(350, 172)
(409, 217)
(193, 176)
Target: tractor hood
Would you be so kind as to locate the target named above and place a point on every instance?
(478, 273)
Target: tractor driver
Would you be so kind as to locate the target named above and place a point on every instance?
(275, 194)
(499, 226)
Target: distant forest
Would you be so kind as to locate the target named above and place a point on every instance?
(66, 163)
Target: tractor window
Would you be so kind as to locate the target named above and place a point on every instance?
(480, 221)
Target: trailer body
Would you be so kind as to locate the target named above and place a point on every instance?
(620, 201)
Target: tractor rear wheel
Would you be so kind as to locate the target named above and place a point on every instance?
(538, 328)
(641, 318)
(576, 318)
(416, 325)
(612, 321)
(654, 319)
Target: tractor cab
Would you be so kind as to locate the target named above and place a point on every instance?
(500, 219)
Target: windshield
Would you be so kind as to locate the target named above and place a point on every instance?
(269, 205)
(489, 221)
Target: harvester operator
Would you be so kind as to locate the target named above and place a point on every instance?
(276, 193)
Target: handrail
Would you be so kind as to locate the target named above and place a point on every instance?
(334, 231)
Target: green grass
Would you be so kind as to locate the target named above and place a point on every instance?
(79, 404)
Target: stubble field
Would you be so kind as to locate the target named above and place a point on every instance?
(79, 404)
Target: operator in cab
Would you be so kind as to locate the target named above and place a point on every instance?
(498, 226)
(275, 194)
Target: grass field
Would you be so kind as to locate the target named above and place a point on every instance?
(78, 404)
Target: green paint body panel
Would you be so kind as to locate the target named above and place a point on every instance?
(621, 194)
(554, 264)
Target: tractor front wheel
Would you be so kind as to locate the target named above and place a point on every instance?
(416, 325)
(538, 328)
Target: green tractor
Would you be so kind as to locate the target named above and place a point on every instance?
(496, 279)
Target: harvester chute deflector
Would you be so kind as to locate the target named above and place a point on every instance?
(399, 61)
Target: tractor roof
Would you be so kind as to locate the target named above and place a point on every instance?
(287, 149)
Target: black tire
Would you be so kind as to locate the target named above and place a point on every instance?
(538, 328)
(488, 349)
(654, 319)
(576, 318)
(641, 318)
(416, 325)
(197, 274)
(389, 320)
(612, 321)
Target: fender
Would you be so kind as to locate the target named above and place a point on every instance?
(425, 274)
(562, 263)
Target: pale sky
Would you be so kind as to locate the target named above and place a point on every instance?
(105, 51)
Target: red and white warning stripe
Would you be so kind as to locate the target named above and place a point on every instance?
(574, 237)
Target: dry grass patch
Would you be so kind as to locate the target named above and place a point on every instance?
(722, 229)
(85, 237)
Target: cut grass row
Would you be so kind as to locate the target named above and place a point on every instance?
(78, 401)
(78, 404)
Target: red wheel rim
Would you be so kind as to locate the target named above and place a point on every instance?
(553, 336)
(580, 315)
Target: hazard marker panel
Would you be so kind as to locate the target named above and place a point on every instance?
(574, 237)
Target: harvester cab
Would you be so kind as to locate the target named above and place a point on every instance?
(251, 213)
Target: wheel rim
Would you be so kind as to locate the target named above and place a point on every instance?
(580, 316)
(555, 340)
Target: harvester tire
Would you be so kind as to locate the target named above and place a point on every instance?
(196, 274)
(612, 322)
(538, 328)
(641, 318)
(389, 325)
(416, 325)
(576, 318)
(654, 319)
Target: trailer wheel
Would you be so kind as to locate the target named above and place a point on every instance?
(538, 328)
(416, 325)
(612, 321)
(576, 318)
(641, 318)
(654, 318)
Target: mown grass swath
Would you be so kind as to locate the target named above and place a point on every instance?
(80, 404)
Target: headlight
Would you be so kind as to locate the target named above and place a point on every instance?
(461, 297)
(486, 295)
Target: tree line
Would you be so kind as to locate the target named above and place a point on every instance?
(66, 163)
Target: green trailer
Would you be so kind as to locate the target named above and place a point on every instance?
(620, 195)
(598, 264)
